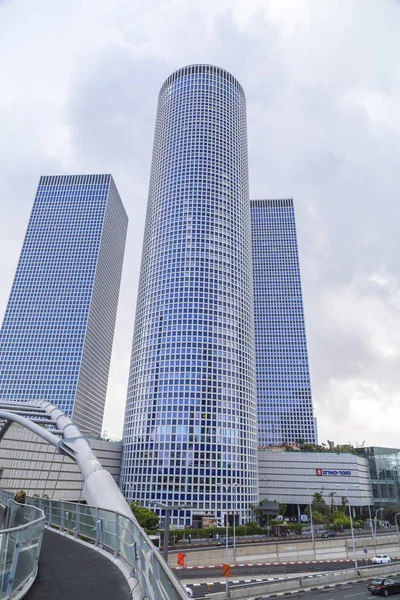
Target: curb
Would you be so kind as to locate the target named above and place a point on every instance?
(314, 589)
(275, 564)
(269, 564)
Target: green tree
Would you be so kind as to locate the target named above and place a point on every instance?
(144, 516)
(332, 497)
(319, 505)
(282, 509)
(257, 513)
(389, 514)
(341, 520)
(319, 518)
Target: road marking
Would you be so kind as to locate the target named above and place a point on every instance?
(352, 595)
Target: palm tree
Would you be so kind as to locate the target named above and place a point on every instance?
(332, 497)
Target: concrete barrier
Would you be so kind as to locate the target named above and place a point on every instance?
(329, 549)
(304, 583)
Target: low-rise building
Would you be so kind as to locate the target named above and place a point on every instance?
(29, 463)
(292, 478)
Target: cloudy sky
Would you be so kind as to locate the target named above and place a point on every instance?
(78, 91)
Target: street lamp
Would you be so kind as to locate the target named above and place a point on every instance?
(397, 527)
(168, 509)
(376, 516)
(264, 478)
(235, 487)
(223, 487)
(351, 527)
(123, 487)
(311, 519)
(230, 488)
(370, 521)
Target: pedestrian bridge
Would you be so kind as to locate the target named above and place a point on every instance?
(143, 574)
(106, 524)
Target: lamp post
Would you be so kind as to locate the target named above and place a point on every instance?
(266, 489)
(124, 485)
(311, 519)
(234, 488)
(397, 527)
(376, 516)
(231, 488)
(370, 522)
(352, 529)
(226, 488)
(168, 509)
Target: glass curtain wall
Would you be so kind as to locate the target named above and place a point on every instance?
(190, 426)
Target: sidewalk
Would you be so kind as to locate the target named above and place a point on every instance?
(71, 571)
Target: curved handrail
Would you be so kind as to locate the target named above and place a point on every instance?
(19, 549)
(122, 537)
(24, 526)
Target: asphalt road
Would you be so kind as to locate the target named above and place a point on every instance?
(204, 589)
(260, 572)
(351, 591)
(355, 591)
(265, 541)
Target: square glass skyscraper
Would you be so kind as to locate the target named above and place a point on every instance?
(284, 404)
(57, 333)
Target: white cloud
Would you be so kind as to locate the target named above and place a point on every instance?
(79, 84)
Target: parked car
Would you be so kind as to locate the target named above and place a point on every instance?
(383, 587)
(222, 542)
(380, 559)
(328, 534)
(188, 590)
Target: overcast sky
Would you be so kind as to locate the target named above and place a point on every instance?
(78, 92)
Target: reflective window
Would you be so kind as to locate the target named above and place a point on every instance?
(190, 424)
(284, 405)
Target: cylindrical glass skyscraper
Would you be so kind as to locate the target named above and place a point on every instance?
(190, 434)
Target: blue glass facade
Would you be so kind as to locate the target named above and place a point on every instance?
(284, 404)
(190, 424)
(57, 333)
(384, 468)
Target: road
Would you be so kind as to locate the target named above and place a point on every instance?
(355, 591)
(193, 547)
(211, 581)
(350, 591)
(256, 571)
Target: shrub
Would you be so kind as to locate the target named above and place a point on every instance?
(144, 516)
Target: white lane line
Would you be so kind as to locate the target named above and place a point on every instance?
(352, 595)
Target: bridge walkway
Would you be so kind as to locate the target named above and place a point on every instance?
(71, 571)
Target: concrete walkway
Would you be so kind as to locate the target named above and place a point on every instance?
(71, 571)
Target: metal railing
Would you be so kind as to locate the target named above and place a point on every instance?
(120, 536)
(21, 533)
